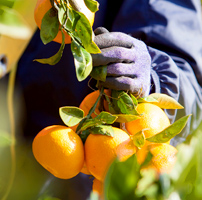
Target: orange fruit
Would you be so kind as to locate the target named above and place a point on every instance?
(101, 150)
(42, 6)
(59, 150)
(98, 187)
(153, 118)
(90, 100)
(84, 169)
(164, 156)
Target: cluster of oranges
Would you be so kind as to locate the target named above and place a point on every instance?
(60, 150)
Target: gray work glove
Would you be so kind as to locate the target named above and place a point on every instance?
(128, 61)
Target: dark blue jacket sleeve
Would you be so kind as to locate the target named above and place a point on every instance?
(175, 77)
(172, 30)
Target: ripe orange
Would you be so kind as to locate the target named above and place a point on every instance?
(101, 150)
(42, 6)
(59, 150)
(164, 156)
(153, 118)
(90, 100)
(84, 169)
(98, 187)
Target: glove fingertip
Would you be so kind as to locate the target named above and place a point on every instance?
(100, 30)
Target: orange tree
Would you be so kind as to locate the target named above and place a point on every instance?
(65, 21)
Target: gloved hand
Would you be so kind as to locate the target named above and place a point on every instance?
(128, 61)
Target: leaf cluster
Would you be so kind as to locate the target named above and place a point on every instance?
(122, 109)
(63, 17)
(126, 180)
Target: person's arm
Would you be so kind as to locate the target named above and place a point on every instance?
(175, 77)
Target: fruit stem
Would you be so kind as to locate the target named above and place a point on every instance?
(90, 111)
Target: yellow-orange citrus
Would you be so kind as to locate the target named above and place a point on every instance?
(101, 150)
(153, 120)
(98, 187)
(90, 100)
(164, 156)
(59, 150)
(84, 169)
(42, 6)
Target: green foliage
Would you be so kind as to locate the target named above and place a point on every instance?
(71, 115)
(78, 27)
(171, 131)
(12, 24)
(99, 73)
(5, 139)
(162, 100)
(82, 61)
(92, 5)
(49, 26)
(55, 58)
(126, 180)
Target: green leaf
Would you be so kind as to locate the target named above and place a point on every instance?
(93, 196)
(102, 118)
(53, 60)
(5, 139)
(13, 24)
(121, 179)
(82, 60)
(103, 130)
(135, 101)
(139, 139)
(71, 115)
(84, 134)
(165, 101)
(82, 32)
(62, 16)
(92, 5)
(170, 132)
(121, 118)
(147, 99)
(99, 73)
(49, 26)
(146, 186)
(123, 102)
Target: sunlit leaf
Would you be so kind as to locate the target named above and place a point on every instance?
(49, 26)
(92, 5)
(146, 185)
(71, 115)
(102, 118)
(121, 179)
(170, 132)
(126, 117)
(139, 139)
(53, 60)
(99, 73)
(123, 102)
(135, 101)
(5, 139)
(165, 101)
(82, 61)
(94, 196)
(82, 31)
(147, 99)
(103, 130)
